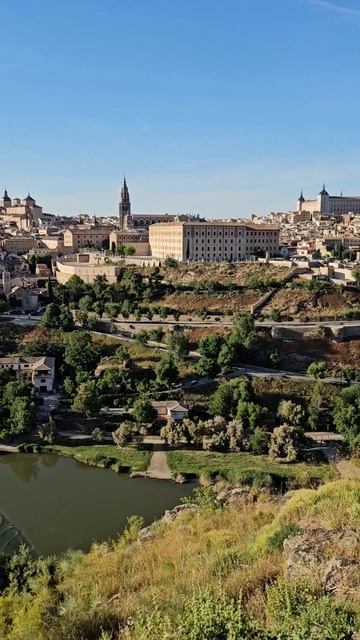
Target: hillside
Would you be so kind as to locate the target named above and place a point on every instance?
(205, 572)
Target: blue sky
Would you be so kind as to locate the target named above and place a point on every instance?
(221, 108)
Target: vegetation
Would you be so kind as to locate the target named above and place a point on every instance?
(194, 579)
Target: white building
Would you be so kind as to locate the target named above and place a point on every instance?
(40, 371)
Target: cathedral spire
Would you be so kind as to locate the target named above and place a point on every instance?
(124, 204)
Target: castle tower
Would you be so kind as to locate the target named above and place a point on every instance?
(323, 201)
(5, 201)
(300, 201)
(124, 205)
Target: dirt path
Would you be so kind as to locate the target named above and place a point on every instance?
(158, 467)
(348, 469)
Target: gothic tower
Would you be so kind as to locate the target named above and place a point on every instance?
(124, 205)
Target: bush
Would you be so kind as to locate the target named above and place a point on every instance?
(275, 542)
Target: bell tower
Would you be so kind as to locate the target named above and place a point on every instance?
(124, 205)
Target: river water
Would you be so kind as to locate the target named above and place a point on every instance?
(58, 503)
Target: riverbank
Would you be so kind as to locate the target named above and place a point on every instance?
(107, 456)
(246, 468)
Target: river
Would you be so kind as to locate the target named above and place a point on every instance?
(58, 503)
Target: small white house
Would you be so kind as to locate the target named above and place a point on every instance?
(170, 409)
(40, 371)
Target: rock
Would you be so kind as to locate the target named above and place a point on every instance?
(138, 474)
(328, 557)
(180, 479)
(146, 534)
(231, 496)
(171, 514)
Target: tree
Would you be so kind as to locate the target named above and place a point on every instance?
(209, 346)
(226, 356)
(286, 443)
(112, 310)
(143, 411)
(317, 369)
(346, 415)
(170, 263)
(356, 274)
(250, 414)
(66, 320)
(97, 434)
(275, 315)
(243, 335)
(222, 402)
(171, 433)
(21, 415)
(290, 413)
(166, 371)
(76, 288)
(259, 441)
(82, 318)
(80, 352)
(87, 400)
(123, 434)
(129, 250)
(319, 408)
(99, 308)
(86, 303)
(51, 317)
(178, 343)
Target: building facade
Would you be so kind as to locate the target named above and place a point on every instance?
(327, 204)
(84, 237)
(40, 371)
(25, 214)
(214, 241)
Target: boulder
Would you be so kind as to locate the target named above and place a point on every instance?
(327, 557)
(171, 514)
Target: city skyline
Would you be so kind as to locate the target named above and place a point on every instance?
(210, 109)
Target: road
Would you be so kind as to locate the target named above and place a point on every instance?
(184, 320)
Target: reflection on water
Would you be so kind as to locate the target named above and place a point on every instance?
(58, 503)
(10, 537)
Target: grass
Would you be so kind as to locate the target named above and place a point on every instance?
(106, 455)
(234, 466)
(234, 553)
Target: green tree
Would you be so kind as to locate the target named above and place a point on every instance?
(99, 308)
(112, 310)
(66, 320)
(178, 343)
(21, 416)
(223, 401)
(76, 288)
(166, 371)
(317, 369)
(290, 413)
(129, 250)
(346, 415)
(80, 352)
(356, 274)
(143, 411)
(51, 317)
(250, 414)
(87, 400)
(86, 303)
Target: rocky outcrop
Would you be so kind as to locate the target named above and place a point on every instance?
(331, 558)
(172, 514)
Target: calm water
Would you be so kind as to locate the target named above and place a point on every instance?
(58, 503)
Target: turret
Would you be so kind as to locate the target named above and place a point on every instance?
(300, 201)
(323, 200)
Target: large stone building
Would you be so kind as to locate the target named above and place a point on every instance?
(84, 237)
(327, 204)
(214, 241)
(142, 221)
(25, 214)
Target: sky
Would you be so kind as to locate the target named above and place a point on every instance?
(222, 108)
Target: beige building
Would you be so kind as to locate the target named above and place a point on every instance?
(130, 238)
(25, 214)
(214, 241)
(81, 237)
(40, 371)
(18, 244)
(325, 203)
(86, 267)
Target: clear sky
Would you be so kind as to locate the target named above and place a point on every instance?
(217, 107)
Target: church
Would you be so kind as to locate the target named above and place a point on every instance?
(25, 214)
(141, 221)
